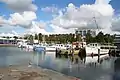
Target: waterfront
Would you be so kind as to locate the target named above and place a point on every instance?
(16, 56)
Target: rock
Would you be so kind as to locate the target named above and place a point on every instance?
(1, 76)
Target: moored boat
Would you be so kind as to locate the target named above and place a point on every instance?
(95, 48)
(44, 47)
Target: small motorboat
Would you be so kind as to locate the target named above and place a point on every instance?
(39, 49)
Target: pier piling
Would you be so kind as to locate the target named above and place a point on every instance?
(98, 55)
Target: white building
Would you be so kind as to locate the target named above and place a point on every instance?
(84, 31)
(117, 40)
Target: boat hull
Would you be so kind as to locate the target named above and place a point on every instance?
(50, 49)
(39, 49)
(94, 51)
(64, 51)
(29, 47)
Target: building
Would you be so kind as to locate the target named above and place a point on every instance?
(7, 41)
(83, 32)
(117, 41)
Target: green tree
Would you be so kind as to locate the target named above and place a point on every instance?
(100, 38)
(89, 38)
(20, 37)
(109, 38)
(78, 37)
(31, 39)
(40, 37)
(8, 37)
(36, 36)
(106, 38)
(15, 37)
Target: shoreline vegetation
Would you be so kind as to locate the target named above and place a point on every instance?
(31, 73)
(69, 38)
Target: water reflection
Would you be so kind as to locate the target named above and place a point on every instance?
(13, 56)
(69, 65)
(116, 75)
(75, 66)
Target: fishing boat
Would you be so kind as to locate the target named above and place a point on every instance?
(62, 46)
(44, 47)
(73, 48)
(95, 48)
(22, 44)
(39, 49)
(29, 47)
(48, 48)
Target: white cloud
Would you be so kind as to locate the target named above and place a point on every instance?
(116, 24)
(24, 16)
(39, 24)
(102, 1)
(60, 30)
(26, 20)
(37, 28)
(50, 9)
(64, 20)
(23, 20)
(2, 21)
(20, 5)
(78, 17)
(14, 32)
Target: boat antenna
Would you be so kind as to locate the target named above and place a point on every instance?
(94, 18)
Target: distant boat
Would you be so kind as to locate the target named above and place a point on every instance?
(29, 47)
(62, 46)
(39, 49)
(46, 47)
(22, 44)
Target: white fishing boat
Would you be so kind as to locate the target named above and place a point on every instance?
(29, 47)
(62, 46)
(48, 48)
(25, 45)
(36, 45)
(94, 48)
(21, 44)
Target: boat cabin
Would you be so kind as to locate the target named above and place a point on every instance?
(101, 46)
(93, 45)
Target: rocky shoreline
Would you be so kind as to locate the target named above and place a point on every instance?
(31, 73)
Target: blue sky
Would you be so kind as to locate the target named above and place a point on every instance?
(44, 16)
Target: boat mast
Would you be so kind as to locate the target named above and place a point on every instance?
(96, 23)
(98, 30)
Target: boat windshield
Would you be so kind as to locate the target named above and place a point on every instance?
(29, 44)
(93, 44)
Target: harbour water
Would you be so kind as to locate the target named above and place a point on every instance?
(107, 70)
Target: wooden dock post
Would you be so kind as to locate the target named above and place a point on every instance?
(98, 55)
(72, 50)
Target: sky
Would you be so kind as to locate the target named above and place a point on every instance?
(58, 16)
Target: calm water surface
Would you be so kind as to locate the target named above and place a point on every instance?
(13, 56)
(107, 70)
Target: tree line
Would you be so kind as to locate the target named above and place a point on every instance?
(69, 38)
(100, 38)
